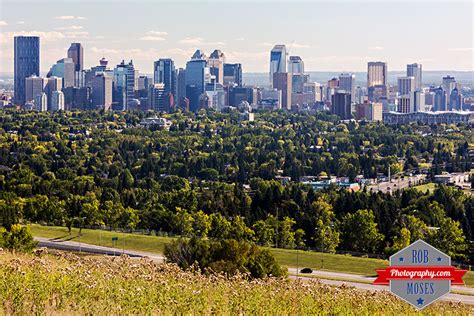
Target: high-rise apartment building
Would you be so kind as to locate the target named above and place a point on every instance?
(216, 63)
(278, 57)
(449, 83)
(165, 72)
(415, 70)
(26, 64)
(404, 104)
(157, 97)
(440, 100)
(406, 85)
(283, 81)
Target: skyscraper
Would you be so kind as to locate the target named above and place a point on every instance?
(295, 65)
(181, 85)
(102, 91)
(165, 72)
(157, 97)
(216, 65)
(64, 68)
(456, 100)
(278, 57)
(124, 84)
(406, 85)
(415, 70)
(404, 104)
(233, 74)
(283, 81)
(440, 102)
(26, 64)
(418, 101)
(449, 83)
(76, 53)
(347, 84)
(376, 73)
(341, 105)
(197, 75)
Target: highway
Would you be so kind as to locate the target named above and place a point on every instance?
(396, 184)
(325, 277)
(81, 247)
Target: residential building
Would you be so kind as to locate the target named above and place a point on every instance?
(41, 102)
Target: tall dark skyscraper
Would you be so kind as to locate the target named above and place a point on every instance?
(165, 72)
(233, 74)
(76, 52)
(341, 105)
(27, 63)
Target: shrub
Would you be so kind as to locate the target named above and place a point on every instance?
(227, 256)
(18, 238)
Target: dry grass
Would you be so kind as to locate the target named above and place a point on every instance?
(67, 284)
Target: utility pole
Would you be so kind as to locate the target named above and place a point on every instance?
(389, 176)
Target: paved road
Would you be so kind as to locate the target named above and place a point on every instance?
(81, 247)
(396, 184)
(355, 279)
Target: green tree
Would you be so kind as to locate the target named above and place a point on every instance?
(325, 236)
(360, 232)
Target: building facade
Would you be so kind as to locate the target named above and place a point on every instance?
(26, 64)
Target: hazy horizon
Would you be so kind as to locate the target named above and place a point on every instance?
(338, 36)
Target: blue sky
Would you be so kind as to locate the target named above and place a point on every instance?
(329, 36)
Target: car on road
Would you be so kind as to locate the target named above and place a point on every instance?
(306, 270)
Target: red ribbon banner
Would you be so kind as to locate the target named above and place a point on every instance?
(420, 273)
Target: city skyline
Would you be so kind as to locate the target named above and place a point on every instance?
(334, 39)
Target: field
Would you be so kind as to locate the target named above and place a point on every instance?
(289, 258)
(430, 187)
(67, 284)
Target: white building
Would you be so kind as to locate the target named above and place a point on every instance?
(57, 101)
(41, 102)
(415, 70)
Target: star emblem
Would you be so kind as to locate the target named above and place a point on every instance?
(401, 259)
(439, 259)
(420, 301)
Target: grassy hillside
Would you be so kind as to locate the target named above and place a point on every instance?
(286, 257)
(68, 284)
